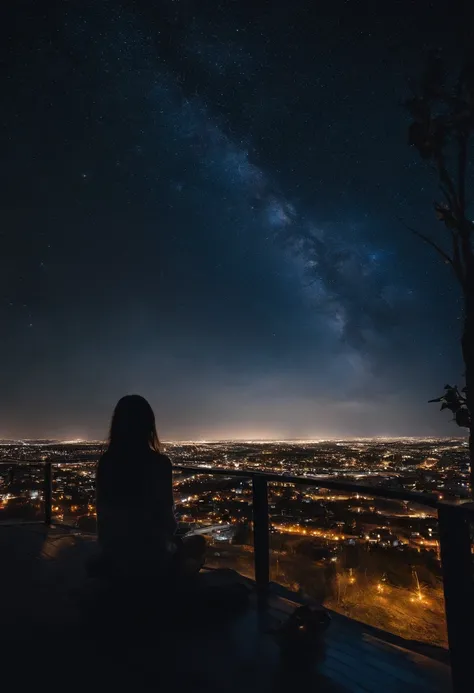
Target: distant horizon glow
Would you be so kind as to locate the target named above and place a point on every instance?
(254, 441)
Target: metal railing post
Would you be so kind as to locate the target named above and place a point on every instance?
(48, 492)
(457, 565)
(261, 534)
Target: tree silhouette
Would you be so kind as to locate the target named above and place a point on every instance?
(441, 129)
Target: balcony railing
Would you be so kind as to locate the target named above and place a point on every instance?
(455, 521)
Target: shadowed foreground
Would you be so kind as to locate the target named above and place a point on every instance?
(57, 631)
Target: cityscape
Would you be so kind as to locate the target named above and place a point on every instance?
(371, 558)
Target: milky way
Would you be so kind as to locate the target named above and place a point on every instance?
(203, 207)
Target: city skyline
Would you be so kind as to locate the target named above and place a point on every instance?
(41, 442)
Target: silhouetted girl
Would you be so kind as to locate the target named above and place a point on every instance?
(135, 509)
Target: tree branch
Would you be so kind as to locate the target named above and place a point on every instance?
(462, 164)
(447, 182)
(467, 252)
(457, 260)
(447, 196)
(429, 241)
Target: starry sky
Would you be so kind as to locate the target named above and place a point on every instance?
(201, 203)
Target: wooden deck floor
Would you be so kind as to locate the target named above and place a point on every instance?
(41, 639)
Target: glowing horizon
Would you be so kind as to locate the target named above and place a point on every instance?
(254, 441)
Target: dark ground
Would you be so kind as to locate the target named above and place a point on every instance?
(57, 632)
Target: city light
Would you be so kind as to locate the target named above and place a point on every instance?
(350, 541)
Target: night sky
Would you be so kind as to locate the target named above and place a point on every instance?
(164, 165)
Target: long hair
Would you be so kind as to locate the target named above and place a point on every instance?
(133, 428)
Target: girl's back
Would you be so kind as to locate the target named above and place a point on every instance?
(134, 487)
(134, 498)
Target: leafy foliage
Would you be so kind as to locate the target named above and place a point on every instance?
(455, 401)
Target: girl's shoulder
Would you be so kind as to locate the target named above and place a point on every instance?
(160, 459)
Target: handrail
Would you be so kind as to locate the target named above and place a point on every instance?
(430, 500)
(333, 484)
